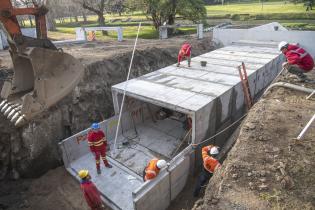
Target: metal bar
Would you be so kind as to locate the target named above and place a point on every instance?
(308, 97)
(300, 137)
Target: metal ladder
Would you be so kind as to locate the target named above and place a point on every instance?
(244, 79)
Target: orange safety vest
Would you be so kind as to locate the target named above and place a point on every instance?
(209, 163)
(91, 36)
(151, 171)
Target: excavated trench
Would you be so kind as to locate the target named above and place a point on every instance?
(32, 150)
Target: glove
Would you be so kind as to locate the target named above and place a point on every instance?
(285, 65)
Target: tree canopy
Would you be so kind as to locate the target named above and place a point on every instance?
(165, 10)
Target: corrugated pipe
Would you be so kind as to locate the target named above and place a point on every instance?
(290, 86)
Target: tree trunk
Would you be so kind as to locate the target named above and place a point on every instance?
(22, 23)
(51, 24)
(76, 19)
(84, 18)
(101, 22)
(31, 21)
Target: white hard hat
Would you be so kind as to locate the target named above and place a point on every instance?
(282, 44)
(161, 164)
(214, 151)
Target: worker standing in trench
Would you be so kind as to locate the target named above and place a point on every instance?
(298, 60)
(210, 164)
(98, 144)
(153, 168)
(184, 52)
(90, 192)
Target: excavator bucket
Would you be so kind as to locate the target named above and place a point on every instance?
(41, 78)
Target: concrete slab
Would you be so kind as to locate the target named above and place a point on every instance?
(160, 139)
(115, 184)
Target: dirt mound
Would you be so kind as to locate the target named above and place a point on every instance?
(55, 190)
(267, 168)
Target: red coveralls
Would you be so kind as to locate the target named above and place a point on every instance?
(91, 194)
(184, 52)
(98, 144)
(298, 56)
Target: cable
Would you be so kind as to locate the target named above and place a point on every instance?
(126, 83)
(215, 135)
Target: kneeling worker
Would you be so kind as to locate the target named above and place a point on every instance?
(153, 168)
(184, 52)
(91, 193)
(210, 164)
(298, 60)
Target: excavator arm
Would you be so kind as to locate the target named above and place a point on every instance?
(43, 75)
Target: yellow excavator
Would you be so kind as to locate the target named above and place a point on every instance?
(43, 74)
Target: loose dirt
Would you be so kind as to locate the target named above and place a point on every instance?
(267, 168)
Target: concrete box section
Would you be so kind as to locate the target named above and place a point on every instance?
(211, 96)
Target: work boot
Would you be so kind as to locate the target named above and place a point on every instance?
(108, 166)
(302, 77)
(99, 171)
(177, 64)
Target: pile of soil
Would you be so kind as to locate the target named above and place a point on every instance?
(267, 168)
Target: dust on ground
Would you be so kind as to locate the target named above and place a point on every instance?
(56, 190)
(267, 168)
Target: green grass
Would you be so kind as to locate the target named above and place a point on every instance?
(146, 32)
(291, 15)
(300, 26)
(255, 11)
(256, 8)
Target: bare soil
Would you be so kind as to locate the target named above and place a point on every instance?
(267, 168)
(55, 190)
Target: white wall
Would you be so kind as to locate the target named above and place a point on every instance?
(31, 32)
(304, 38)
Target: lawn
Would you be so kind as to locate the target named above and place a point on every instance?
(291, 15)
(146, 32)
(257, 8)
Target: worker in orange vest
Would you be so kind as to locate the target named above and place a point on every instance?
(153, 168)
(184, 52)
(98, 144)
(210, 164)
(90, 192)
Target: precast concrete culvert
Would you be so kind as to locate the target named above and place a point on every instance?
(156, 120)
(32, 150)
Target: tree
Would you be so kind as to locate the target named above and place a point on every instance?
(95, 6)
(165, 10)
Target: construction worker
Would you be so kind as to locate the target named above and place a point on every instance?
(184, 52)
(153, 168)
(98, 143)
(210, 164)
(298, 60)
(90, 192)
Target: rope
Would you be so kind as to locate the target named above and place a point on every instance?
(225, 129)
(183, 141)
(126, 83)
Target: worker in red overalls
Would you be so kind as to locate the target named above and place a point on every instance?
(98, 143)
(184, 52)
(153, 168)
(298, 60)
(210, 164)
(90, 192)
